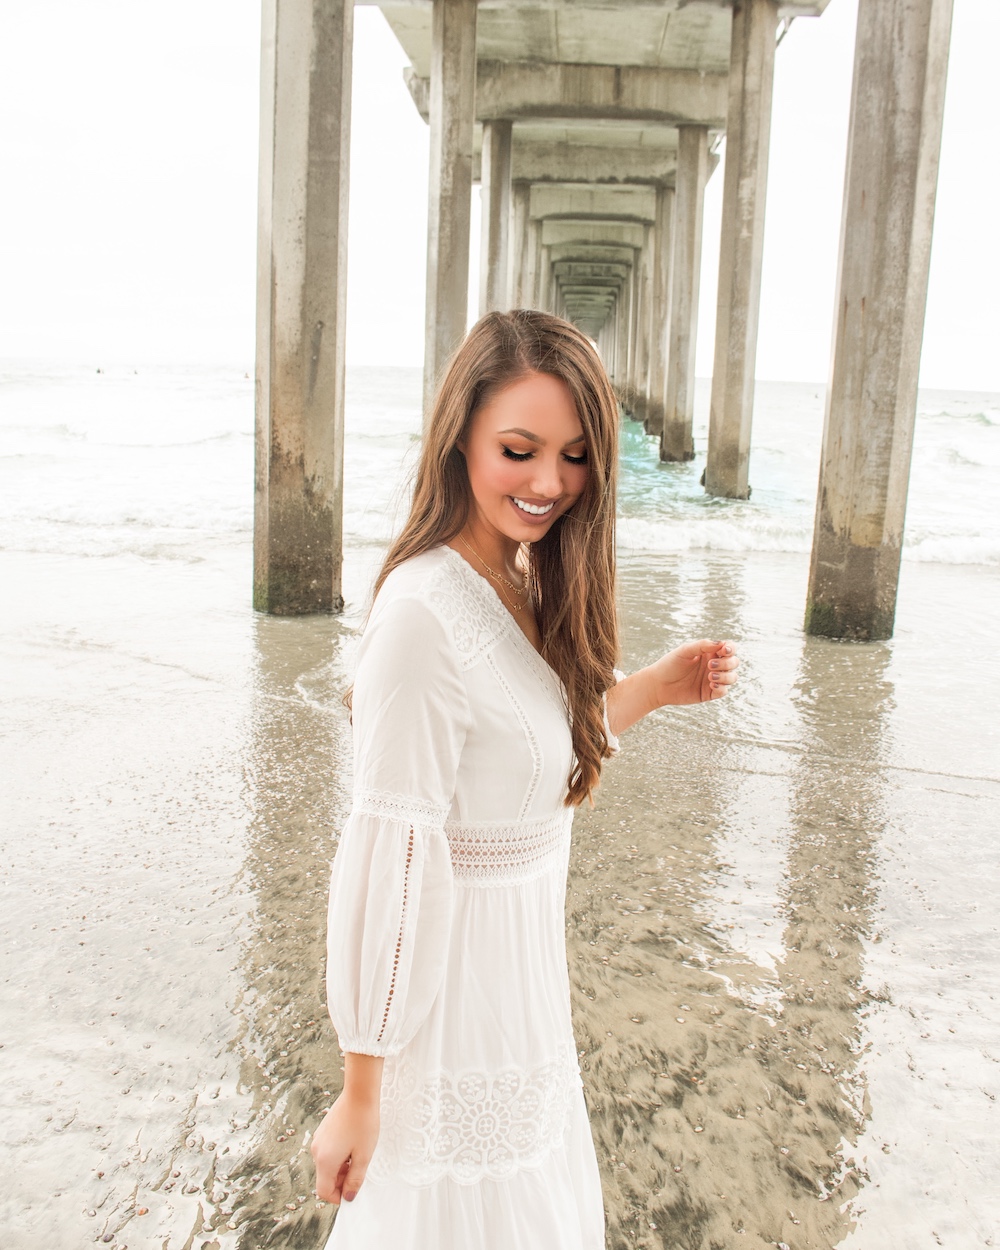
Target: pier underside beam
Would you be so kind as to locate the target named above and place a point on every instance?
(677, 438)
(897, 107)
(451, 109)
(751, 75)
(561, 162)
(301, 304)
(524, 89)
(496, 189)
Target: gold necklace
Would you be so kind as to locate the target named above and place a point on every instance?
(499, 577)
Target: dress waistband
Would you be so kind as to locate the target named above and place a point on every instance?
(488, 854)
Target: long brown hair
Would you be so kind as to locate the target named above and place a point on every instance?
(571, 570)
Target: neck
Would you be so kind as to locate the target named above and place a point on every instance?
(496, 549)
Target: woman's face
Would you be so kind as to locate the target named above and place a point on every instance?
(526, 457)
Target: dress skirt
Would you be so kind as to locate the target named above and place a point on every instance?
(485, 1142)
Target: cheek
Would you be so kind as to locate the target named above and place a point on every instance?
(494, 475)
(576, 479)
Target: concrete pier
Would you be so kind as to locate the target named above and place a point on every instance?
(748, 129)
(301, 304)
(587, 125)
(897, 108)
(677, 437)
(451, 110)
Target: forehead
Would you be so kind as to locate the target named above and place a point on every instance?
(539, 402)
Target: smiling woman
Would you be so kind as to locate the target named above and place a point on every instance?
(485, 702)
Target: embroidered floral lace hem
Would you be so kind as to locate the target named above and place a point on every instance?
(474, 1125)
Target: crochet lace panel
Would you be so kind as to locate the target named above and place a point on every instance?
(472, 1125)
(476, 621)
(485, 855)
(399, 807)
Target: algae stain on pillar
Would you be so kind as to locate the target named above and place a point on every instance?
(301, 305)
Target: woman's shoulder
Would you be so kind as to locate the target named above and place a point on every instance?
(438, 585)
(415, 577)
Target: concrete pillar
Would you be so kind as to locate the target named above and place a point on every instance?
(641, 402)
(496, 191)
(660, 318)
(635, 280)
(532, 262)
(897, 105)
(677, 439)
(748, 129)
(301, 304)
(452, 110)
(545, 293)
(521, 200)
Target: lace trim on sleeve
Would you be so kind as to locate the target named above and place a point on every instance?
(399, 936)
(380, 803)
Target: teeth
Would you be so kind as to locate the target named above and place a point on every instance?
(536, 509)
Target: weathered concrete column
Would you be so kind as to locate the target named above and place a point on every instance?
(521, 201)
(621, 337)
(635, 279)
(660, 317)
(452, 112)
(301, 304)
(677, 439)
(897, 105)
(533, 261)
(545, 292)
(748, 130)
(641, 401)
(496, 192)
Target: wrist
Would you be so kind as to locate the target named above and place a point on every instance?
(363, 1079)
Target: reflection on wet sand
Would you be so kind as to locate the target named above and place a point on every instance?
(723, 1088)
(297, 796)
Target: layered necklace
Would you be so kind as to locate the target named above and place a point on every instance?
(507, 588)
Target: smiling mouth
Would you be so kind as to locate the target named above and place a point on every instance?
(534, 509)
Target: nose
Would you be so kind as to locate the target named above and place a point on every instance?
(546, 480)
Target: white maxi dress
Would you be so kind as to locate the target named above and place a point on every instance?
(446, 938)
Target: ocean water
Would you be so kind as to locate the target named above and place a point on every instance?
(158, 465)
(781, 914)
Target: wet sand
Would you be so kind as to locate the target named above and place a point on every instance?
(781, 915)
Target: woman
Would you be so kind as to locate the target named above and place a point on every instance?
(484, 704)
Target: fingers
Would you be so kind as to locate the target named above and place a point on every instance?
(329, 1181)
(354, 1177)
(722, 669)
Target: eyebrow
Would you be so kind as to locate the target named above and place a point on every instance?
(533, 438)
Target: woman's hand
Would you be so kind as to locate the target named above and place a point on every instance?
(694, 673)
(343, 1145)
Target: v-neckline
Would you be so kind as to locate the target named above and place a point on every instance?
(497, 604)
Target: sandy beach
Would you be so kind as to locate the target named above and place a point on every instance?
(781, 913)
(781, 919)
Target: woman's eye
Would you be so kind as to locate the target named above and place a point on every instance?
(516, 455)
(577, 459)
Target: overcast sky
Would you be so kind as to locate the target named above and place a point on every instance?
(129, 151)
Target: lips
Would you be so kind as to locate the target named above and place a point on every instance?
(533, 509)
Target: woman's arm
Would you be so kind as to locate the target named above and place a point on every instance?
(692, 673)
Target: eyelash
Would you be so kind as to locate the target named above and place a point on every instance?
(526, 455)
